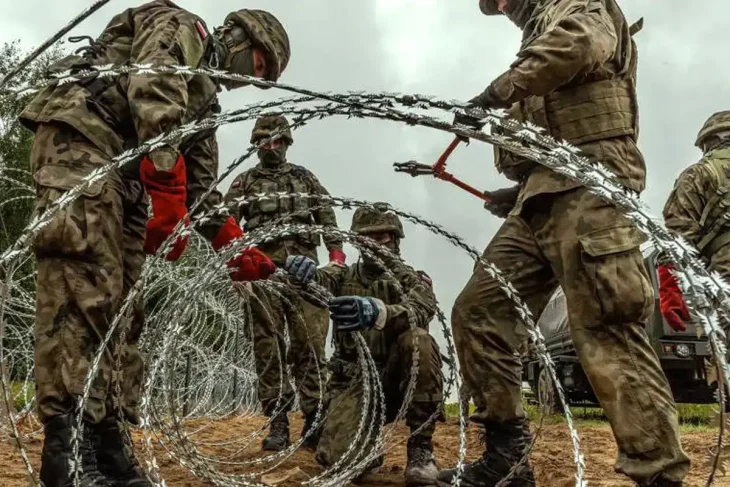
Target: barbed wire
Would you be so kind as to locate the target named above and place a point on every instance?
(24, 63)
(706, 292)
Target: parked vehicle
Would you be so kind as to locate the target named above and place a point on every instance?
(683, 355)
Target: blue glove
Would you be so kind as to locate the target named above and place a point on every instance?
(300, 267)
(353, 313)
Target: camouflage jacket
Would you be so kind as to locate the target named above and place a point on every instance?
(575, 75)
(117, 113)
(289, 179)
(417, 301)
(697, 207)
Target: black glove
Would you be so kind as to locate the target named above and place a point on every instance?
(484, 101)
(300, 267)
(502, 201)
(353, 313)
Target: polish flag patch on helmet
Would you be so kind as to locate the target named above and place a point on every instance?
(202, 32)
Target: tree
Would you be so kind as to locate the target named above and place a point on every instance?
(16, 183)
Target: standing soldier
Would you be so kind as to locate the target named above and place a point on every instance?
(575, 76)
(370, 302)
(307, 323)
(92, 252)
(696, 210)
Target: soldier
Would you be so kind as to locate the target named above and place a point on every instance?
(696, 211)
(575, 76)
(307, 323)
(369, 302)
(92, 252)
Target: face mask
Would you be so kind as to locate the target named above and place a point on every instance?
(238, 53)
(272, 157)
(519, 11)
(371, 265)
(241, 63)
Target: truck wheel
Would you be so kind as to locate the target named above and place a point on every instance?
(547, 395)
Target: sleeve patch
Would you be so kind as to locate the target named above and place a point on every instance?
(202, 32)
(425, 278)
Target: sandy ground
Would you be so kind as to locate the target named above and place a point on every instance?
(551, 460)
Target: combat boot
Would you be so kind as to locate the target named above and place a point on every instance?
(116, 459)
(506, 444)
(421, 468)
(58, 456)
(372, 468)
(278, 439)
(312, 440)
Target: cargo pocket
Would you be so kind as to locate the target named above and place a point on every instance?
(301, 203)
(617, 275)
(268, 202)
(71, 230)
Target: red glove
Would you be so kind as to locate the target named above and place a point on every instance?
(167, 190)
(671, 301)
(337, 257)
(251, 264)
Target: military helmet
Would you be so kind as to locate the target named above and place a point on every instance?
(718, 122)
(489, 7)
(267, 125)
(378, 218)
(266, 33)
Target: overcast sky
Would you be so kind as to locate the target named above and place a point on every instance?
(449, 49)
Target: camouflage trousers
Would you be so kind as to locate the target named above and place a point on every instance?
(720, 262)
(88, 258)
(346, 396)
(591, 250)
(307, 328)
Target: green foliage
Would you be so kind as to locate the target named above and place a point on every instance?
(16, 186)
(22, 395)
(691, 416)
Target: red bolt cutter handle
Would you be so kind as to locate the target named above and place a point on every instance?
(438, 171)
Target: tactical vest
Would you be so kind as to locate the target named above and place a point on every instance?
(289, 179)
(586, 110)
(106, 99)
(354, 284)
(715, 220)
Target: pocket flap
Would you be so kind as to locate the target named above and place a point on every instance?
(66, 178)
(612, 240)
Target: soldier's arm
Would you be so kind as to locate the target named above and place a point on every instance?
(158, 102)
(418, 302)
(201, 165)
(330, 277)
(325, 215)
(579, 43)
(684, 207)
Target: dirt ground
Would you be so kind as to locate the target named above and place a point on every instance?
(551, 460)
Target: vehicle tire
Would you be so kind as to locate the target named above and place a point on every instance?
(547, 395)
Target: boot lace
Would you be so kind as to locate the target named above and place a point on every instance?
(87, 451)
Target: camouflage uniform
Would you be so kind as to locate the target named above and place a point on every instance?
(391, 342)
(696, 210)
(575, 76)
(91, 253)
(697, 206)
(307, 323)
